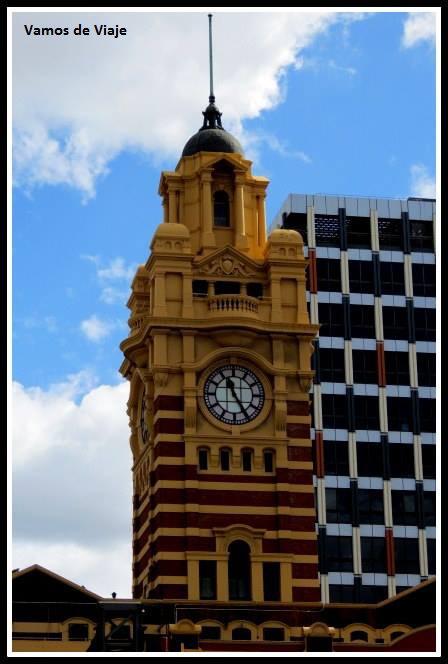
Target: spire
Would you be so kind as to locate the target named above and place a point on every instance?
(212, 115)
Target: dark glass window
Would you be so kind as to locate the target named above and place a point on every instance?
(319, 644)
(268, 457)
(362, 320)
(424, 279)
(225, 459)
(255, 290)
(427, 408)
(78, 632)
(399, 413)
(241, 634)
(336, 458)
(392, 278)
(247, 460)
(421, 233)
(358, 232)
(371, 506)
(239, 571)
(429, 507)
(203, 459)
(395, 323)
(327, 230)
(431, 550)
(425, 324)
(370, 459)
(297, 221)
(120, 633)
(200, 287)
(401, 459)
(404, 508)
(331, 319)
(210, 633)
(227, 288)
(359, 635)
(332, 367)
(397, 368)
(361, 276)
(273, 634)
(429, 461)
(367, 412)
(339, 505)
(342, 593)
(207, 579)
(339, 554)
(372, 594)
(373, 553)
(221, 209)
(328, 275)
(365, 364)
(426, 367)
(390, 233)
(406, 556)
(271, 582)
(334, 411)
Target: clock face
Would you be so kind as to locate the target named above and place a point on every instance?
(233, 394)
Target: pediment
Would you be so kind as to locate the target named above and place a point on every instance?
(36, 583)
(228, 262)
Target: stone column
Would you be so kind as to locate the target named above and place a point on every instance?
(208, 237)
(240, 226)
(261, 212)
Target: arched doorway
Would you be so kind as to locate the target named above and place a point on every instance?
(239, 571)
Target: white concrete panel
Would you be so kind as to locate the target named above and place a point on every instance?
(298, 203)
(395, 209)
(332, 204)
(414, 210)
(429, 485)
(383, 208)
(320, 205)
(363, 207)
(351, 207)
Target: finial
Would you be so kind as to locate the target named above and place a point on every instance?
(212, 115)
(210, 50)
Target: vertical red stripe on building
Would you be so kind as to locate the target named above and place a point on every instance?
(312, 270)
(319, 449)
(381, 364)
(390, 552)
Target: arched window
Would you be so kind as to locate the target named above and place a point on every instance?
(246, 457)
(203, 459)
(239, 571)
(359, 635)
(224, 455)
(395, 635)
(221, 209)
(268, 457)
(241, 634)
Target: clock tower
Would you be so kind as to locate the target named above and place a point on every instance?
(218, 360)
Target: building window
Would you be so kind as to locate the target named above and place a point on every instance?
(401, 459)
(426, 369)
(390, 233)
(392, 278)
(362, 321)
(203, 459)
(224, 456)
(207, 579)
(339, 554)
(297, 221)
(372, 594)
(406, 556)
(268, 457)
(241, 634)
(271, 582)
(365, 366)
(227, 288)
(331, 317)
(397, 368)
(421, 235)
(370, 459)
(336, 458)
(273, 634)
(429, 508)
(334, 411)
(332, 368)
(339, 505)
(424, 279)
(200, 287)
(358, 232)
(395, 323)
(120, 633)
(431, 550)
(429, 461)
(239, 571)
(328, 275)
(399, 414)
(425, 324)
(327, 231)
(367, 412)
(371, 506)
(404, 508)
(221, 209)
(359, 635)
(78, 632)
(427, 409)
(373, 553)
(342, 593)
(210, 633)
(247, 460)
(361, 276)
(255, 290)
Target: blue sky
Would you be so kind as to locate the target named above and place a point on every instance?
(327, 103)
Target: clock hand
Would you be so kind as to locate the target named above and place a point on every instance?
(231, 386)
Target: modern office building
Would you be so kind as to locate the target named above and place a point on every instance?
(371, 287)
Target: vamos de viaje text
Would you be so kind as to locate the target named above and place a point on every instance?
(98, 30)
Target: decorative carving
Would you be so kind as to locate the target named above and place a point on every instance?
(227, 265)
(160, 379)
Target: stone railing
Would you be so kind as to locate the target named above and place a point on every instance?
(236, 304)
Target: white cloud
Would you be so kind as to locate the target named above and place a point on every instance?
(72, 489)
(347, 70)
(115, 270)
(96, 329)
(80, 101)
(422, 183)
(419, 27)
